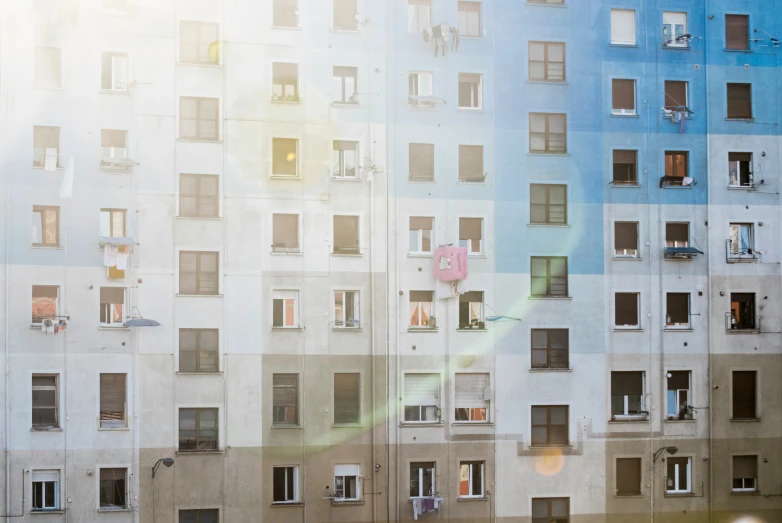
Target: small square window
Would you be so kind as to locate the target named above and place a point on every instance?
(285, 309)
(198, 430)
(550, 510)
(198, 272)
(114, 149)
(745, 473)
(548, 276)
(46, 490)
(199, 350)
(112, 223)
(676, 168)
(199, 43)
(675, 29)
(285, 233)
(422, 398)
(285, 484)
(547, 61)
(346, 15)
(622, 27)
(676, 98)
(550, 425)
(347, 483)
(199, 118)
(550, 348)
(285, 13)
(548, 204)
(627, 395)
(677, 234)
(471, 479)
(45, 302)
(199, 195)
(547, 133)
(625, 170)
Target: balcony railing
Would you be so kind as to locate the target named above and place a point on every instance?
(284, 249)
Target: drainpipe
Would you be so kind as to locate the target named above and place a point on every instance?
(5, 332)
(708, 256)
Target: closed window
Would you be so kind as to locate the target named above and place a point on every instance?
(675, 29)
(740, 170)
(285, 399)
(113, 488)
(202, 515)
(114, 149)
(469, 18)
(745, 473)
(550, 425)
(547, 133)
(548, 204)
(46, 226)
(112, 223)
(346, 15)
(420, 83)
(347, 482)
(471, 310)
(198, 272)
(551, 510)
(344, 85)
(48, 67)
(285, 484)
(742, 311)
(285, 157)
(198, 195)
(422, 479)
(114, 71)
(745, 394)
(346, 309)
(112, 306)
(471, 234)
(626, 239)
(472, 396)
(627, 394)
(199, 118)
(676, 98)
(46, 489)
(678, 475)
(199, 43)
(421, 308)
(677, 234)
(422, 398)
(285, 309)
(44, 302)
(421, 228)
(548, 276)
(199, 350)
(285, 13)
(622, 27)
(344, 159)
(285, 82)
(285, 234)
(623, 96)
(346, 235)
(677, 310)
(419, 15)
(471, 163)
(676, 166)
(45, 401)
(740, 101)
(470, 91)
(198, 429)
(626, 309)
(113, 401)
(347, 398)
(547, 61)
(628, 476)
(550, 348)
(678, 394)
(421, 161)
(737, 32)
(625, 170)
(46, 147)
(471, 483)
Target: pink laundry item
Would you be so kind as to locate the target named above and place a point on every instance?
(450, 263)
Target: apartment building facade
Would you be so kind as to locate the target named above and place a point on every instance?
(269, 181)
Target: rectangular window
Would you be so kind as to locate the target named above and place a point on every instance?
(741, 239)
(622, 27)
(346, 309)
(198, 195)
(626, 309)
(346, 235)
(202, 515)
(113, 402)
(740, 170)
(421, 228)
(471, 479)
(550, 348)
(346, 15)
(344, 159)
(628, 476)
(285, 484)
(347, 486)
(286, 13)
(112, 306)
(470, 91)
(469, 18)
(48, 67)
(625, 167)
(623, 96)
(471, 310)
(550, 510)
(472, 396)
(46, 489)
(285, 234)
(45, 302)
(678, 479)
(547, 61)
(745, 395)
(677, 310)
(420, 83)
(745, 473)
(347, 398)
(46, 226)
(740, 101)
(46, 401)
(678, 394)
(550, 425)
(422, 398)
(626, 239)
(285, 399)
(674, 29)
(199, 118)
(676, 98)
(421, 162)
(471, 163)
(198, 429)
(677, 234)
(285, 82)
(113, 489)
(675, 167)
(737, 32)
(471, 234)
(422, 479)
(199, 43)
(548, 204)
(285, 309)
(113, 149)
(627, 394)
(46, 147)
(548, 276)
(285, 157)
(419, 15)
(112, 223)
(344, 85)
(547, 133)
(114, 71)
(742, 310)
(199, 350)
(421, 308)
(198, 272)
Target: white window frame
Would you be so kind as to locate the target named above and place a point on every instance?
(615, 18)
(56, 487)
(677, 475)
(468, 245)
(340, 172)
(470, 465)
(108, 312)
(421, 473)
(755, 479)
(199, 96)
(281, 98)
(476, 102)
(356, 323)
(626, 112)
(414, 14)
(627, 400)
(736, 252)
(344, 475)
(110, 212)
(421, 408)
(297, 159)
(419, 84)
(295, 472)
(486, 406)
(420, 235)
(120, 82)
(416, 305)
(219, 40)
(284, 295)
(628, 253)
(672, 20)
(677, 398)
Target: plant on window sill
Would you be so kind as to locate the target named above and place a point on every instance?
(289, 99)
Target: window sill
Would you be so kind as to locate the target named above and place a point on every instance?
(747, 120)
(197, 140)
(45, 429)
(478, 255)
(118, 509)
(291, 426)
(544, 82)
(472, 424)
(628, 495)
(552, 298)
(629, 420)
(40, 168)
(182, 295)
(347, 425)
(731, 50)
(121, 92)
(113, 328)
(469, 499)
(347, 503)
(355, 32)
(283, 329)
(198, 64)
(678, 187)
(541, 153)
(563, 225)
(421, 180)
(286, 27)
(39, 512)
(741, 187)
(745, 493)
(47, 247)
(630, 46)
(677, 47)
(754, 259)
(115, 170)
(286, 102)
(113, 429)
(342, 255)
(347, 329)
(422, 424)
(628, 329)
(550, 370)
(346, 105)
(627, 258)
(420, 255)
(216, 452)
(472, 330)
(742, 331)
(209, 218)
(678, 329)
(536, 446)
(540, 4)
(626, 185)
(739, 420)
(619, 115)
(470, 109)
(48, 88)
(279, 504)
(296, 253)
(468, 181)
(422, 329)
(196, 373)
(677, 420)
(353, 179)
(284, 177)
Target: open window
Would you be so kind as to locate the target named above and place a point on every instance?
(46, 147)
(745, 394)
(675, 29)
(745, 473)
(678, 477)
(550, 348)
(419, 15)
(550, 425)
(199, 350)
(626, 239)
(48, 68)
(347, 398)
(46, 490)
(285, 82)
(471, 235)
(285, 484)
(471, 163)
(46, 226)
(471, 310)
(625, 167)
(626, 310)
(113, 489)
(740, 170)
(548, 204)
(469, 18)
(112, 223)
(627, 396)
(285, 309)
(741, 245)
(285, 13)
(199, 42)
(421, 309)
(285, 157)
(112, 306)
(742, 311)
(471, 479)
(347, 482)
(285, 399)
(623, 97)
(199, 118)
(421, 229)
(677, 310)
(346, 15)
(114, 71)
(422, 479)
(344, 159)
(420, 83)
(285, 236)
(114, 150)
(198, 430)
(346, 240)
(344, 85)
(46, 401)
(470, 91)
(422, 398)
(628, 476)
(739, 101)
(737, 32)
(421, 158)
(678, 395)
(45, 302)
(472, 397)
(113, 401)
(346, 310)
(676, 169)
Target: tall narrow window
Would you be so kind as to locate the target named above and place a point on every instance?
(346, 239)
(198, 195)
(346, 15)
(740, 101)
(46, 226)
(550, 348)
(421, 158)
(623, 97)
(548, 204)
(471, 310)
(628, 476)
(422, 398)
(627, 395)
(344, 82)
(112, 306)
(285, 233)
(470, 91)
(547, 61)
(198, 272)
(419, 15)
(471, 483)
(285, 157)
(113, 489)
(421, 228)
(469, 18)
(113, 401)
(625, 167)
(285, 484)
(677, 310)
(199, 350)
(199, 43)
(198, 429)
(46, 490)
(678, 394)
(44, 302)
(285, 82)
(745, 395)
(346, 310)
(626, 310)
(622, 27)
(422, 479)
(199, 118)
(285, 399)
(286, 13)
(548, 276)
(347, 484)
(46, 147)
(740, 170)
(112, 223)
(344, 159)
(626, 239)
(550, 425)
(745, 473)
(471, 234)
(48, 67)
(285, 309)
(547, 133)
(421, 305)
(676, 98)
(471, 163)
(737, 32)
(472, 396)
(675, 29)
(347, 398)
(742, 311)
(551, 510)
(678, 476)
(45, 401)
(114, 71)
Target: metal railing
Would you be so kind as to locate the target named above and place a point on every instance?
(734, 253)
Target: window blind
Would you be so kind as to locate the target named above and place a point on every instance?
(629, 383)
(422, 389)
(622, 26)
(346, 398)
(469, 390)
(112, 396)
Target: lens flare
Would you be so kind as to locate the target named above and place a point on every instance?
(550, 463)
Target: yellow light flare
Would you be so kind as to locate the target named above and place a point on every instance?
(551, 463)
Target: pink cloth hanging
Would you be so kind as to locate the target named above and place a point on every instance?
(450, 263)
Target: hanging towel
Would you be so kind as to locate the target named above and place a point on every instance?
(417, 508)
(110, 255)
(682, 119)
(122, 261)
(444, 290)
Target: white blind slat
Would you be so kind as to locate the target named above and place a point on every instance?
(469, 390)
(346, 470)
(422, 389)
(622, 26)
(46, 475)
